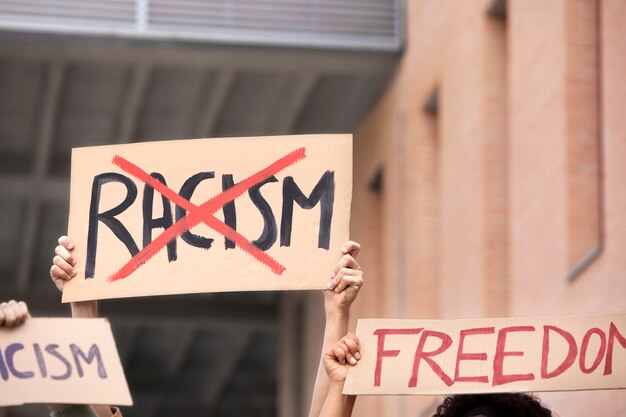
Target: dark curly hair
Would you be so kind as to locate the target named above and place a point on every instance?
(492, 405)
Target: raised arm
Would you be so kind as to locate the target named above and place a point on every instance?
(345, 282)
(61, 271)
(336, 361)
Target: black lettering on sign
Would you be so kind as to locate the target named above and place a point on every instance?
(163, 222)
(94, 353)
(186, 191)
(323, 193)
(268, 236)
(108, 218)
(230, 215)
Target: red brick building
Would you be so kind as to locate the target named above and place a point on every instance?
(489, 179)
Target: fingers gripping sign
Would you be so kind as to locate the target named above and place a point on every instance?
(13, 313)
(342, 354)
(63, 263)
(346, 278)
(7, 316)
(9, 313)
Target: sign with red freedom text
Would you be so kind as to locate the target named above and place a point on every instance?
(489, 355)
(205, 215)
(62, 361)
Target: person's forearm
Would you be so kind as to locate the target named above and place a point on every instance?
(337, 404)
(85, 309)
(336, 327)
(103, 410)
(64, 410)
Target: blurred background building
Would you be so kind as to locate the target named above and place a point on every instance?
(490, 152)
(489, 178)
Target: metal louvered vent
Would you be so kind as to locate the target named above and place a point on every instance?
(56, 15)
(342, 24)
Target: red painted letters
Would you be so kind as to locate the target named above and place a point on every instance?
(462, 356)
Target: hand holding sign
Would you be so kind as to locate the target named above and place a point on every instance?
(63, 263)
(336, 360)
(13, 313)
(342, 290)
(342, 354)
(63, 270)
(346, 280)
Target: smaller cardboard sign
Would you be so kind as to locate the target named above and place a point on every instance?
(61, 361)
(434, 357)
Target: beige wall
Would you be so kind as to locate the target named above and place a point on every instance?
(487, 206)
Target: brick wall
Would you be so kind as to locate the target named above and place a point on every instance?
(502, 147)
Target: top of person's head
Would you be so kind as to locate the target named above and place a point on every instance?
(492, 405)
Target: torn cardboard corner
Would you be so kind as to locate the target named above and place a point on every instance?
(437, 357)
(206, 215)
(63, 361)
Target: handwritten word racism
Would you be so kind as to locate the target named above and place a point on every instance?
(593, 353)
(56, 362)
(322, 195)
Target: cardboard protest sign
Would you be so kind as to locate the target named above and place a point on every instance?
(489, 355)
(236, 214)
(66, 361)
